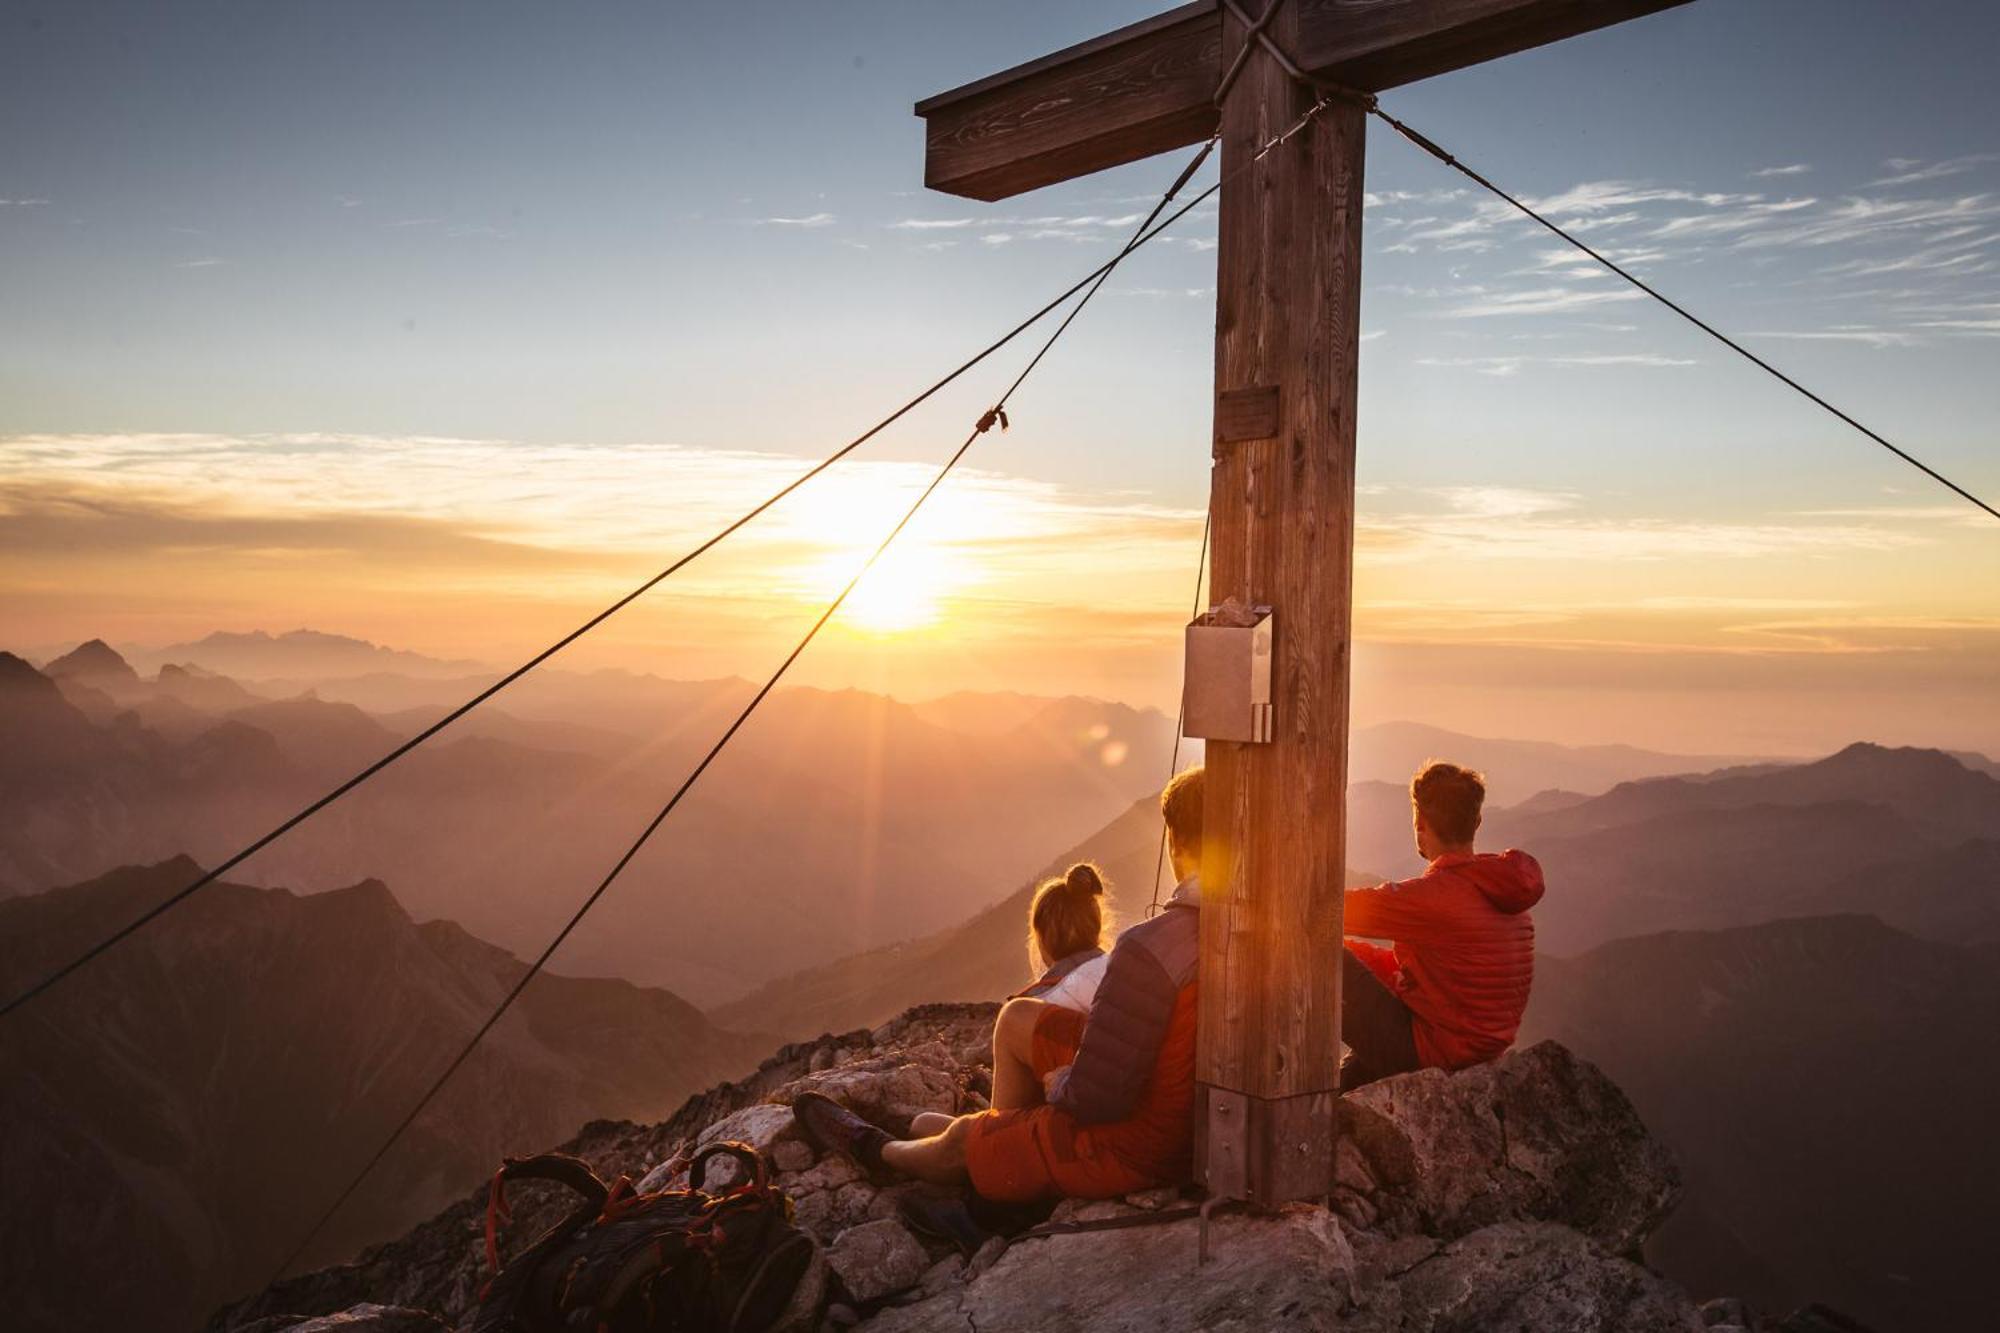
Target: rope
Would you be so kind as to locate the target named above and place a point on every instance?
(1180, 718)
(1254, 33)
(1095, 276)
(997, 414)
(1462, 169)
(645, 835)
(1252, 38)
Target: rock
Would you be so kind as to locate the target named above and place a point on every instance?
(842, 1316)
(1263, 1272)
(1539, 1134)
(759, 1126)
(944, 1273)
(1299, 1270)
(888, 1094)
(1089, 1210)
(1817, 1318)
(987, 1256)
(1527, 1275)
(852, 1202)
(1166, 1196)
(816, 1215)
(356, 1319)
(877, 1259)
(791, 1155)
(1729, 1312)
(831, 1173)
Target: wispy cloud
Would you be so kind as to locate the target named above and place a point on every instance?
(1789, 169)
(1502, 366)
(931, 224)
(209, 262)
(1538, 301)
(1489, 523)
(22, 203)
(1867, 337)
(809, 220)
(1915, 170)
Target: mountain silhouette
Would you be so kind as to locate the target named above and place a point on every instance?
(1829, 1088)
(181, 1110)
(847, 817)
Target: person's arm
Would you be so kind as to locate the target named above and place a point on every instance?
(1409, 910)
(1382, 962)
(1121, 1042)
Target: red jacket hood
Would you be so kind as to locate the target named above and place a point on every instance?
(1510, 880)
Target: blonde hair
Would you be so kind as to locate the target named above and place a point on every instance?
(1449, 798)
(1068, 916)
(1181, 807)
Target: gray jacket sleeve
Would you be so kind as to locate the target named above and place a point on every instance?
(1121, 1042)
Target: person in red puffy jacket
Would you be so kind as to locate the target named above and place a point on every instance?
(1451, 988)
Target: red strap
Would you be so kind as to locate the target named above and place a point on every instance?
(621, 1199)
(496, 1213)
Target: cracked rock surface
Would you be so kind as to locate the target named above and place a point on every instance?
(1514, 1195)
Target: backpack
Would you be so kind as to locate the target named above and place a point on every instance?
(677, 1261)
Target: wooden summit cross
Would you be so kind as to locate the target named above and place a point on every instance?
(1288, 297)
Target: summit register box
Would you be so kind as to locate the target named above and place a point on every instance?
(1228, 674)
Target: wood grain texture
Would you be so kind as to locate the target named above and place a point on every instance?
(1288, 303)
(1067, 117)
(1149, 88)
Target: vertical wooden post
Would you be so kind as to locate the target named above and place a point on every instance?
(1288, 297)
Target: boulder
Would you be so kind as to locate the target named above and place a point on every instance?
(877, 1259)
(1263, 1272)
(1299, 1269)
(355, 1319)
(762, 1127)
(1525, 1275)
(888, 1092)
(1538, 1134)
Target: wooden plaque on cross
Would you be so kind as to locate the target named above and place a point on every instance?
(1281, 500)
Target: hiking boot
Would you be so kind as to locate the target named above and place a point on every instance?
(943, 1217)
(831, 1127)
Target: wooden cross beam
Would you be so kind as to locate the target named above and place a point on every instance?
(1150, 87)
(1288, 295)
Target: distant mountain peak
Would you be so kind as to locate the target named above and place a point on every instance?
(18, 671)
(302, 654)
(95, 660)
(1908, 760)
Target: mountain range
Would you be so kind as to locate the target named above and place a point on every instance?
(848, 818)
(176, 1115)
(1830, 1089)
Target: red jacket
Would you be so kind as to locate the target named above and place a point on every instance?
(1464, 954)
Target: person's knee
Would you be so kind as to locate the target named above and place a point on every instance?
(952, 1143)
(1015, 1026)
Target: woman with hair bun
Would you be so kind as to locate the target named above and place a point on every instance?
(1066, 925)
(1088, 1103)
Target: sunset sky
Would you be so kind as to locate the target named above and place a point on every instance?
(442, 325)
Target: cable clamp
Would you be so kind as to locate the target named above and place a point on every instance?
(993, 414)
(1254, 34)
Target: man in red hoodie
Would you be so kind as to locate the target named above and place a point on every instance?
(1451, 990)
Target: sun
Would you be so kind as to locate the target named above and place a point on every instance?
(908, 589)
(905, 590)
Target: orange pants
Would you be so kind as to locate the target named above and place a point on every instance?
(1039, 1152)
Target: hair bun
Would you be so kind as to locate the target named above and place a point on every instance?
(1083, 877)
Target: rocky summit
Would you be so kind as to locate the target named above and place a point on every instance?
(1515, 1195)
